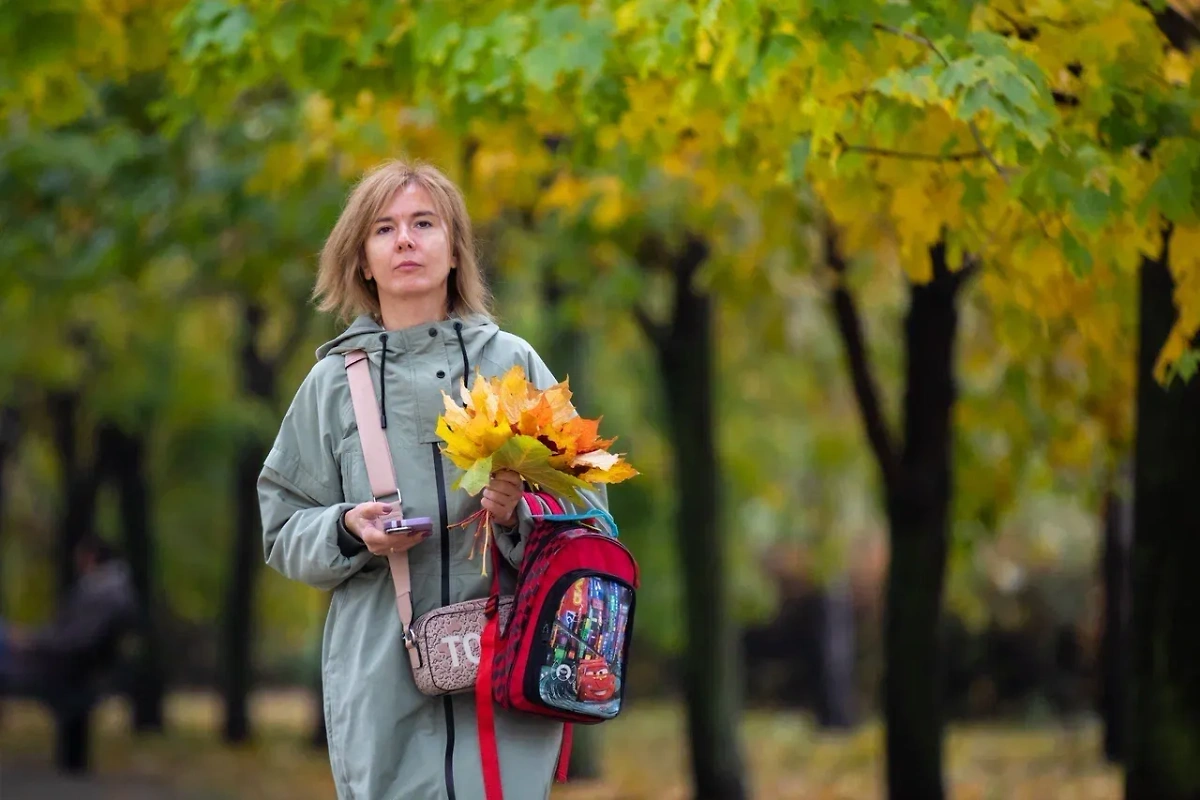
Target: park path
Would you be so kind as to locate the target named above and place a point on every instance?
(35, 782)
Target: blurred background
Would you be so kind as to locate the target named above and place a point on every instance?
(894, 305)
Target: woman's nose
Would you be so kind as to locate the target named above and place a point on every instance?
(404, 240)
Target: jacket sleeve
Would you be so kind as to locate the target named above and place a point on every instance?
(300, 499)
(511, 541)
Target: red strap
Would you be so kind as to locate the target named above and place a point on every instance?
(564, 753)
(550, 501)
(485, 714)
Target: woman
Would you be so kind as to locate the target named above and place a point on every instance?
(401, 258)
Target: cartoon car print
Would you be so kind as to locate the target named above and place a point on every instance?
(596, 682)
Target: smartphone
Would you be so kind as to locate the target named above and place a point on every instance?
(411, 526)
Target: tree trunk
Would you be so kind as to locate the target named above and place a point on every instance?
(78, 520)
(258, 382)
(1114, 644)
(918, 517)
(710, 674)
(78, 517)
(10, 435)
(320, 732)
(127, 464)
(1164, 743)
(836, 707)
(565, 355)
(916, 477)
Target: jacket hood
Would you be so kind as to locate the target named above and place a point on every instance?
(366, 334)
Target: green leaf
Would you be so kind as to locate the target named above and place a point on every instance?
(233, 30)
(990, 44)
(1185, 367)
(1092, 207)
(531, 459)
(1017, 90)
(974, 191)
(963, 72)
(798, 158)
(1171, 193)
(477, 477)
(914, 85)
(1078, 257)
(286, 30)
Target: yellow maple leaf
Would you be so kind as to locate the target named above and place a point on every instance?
(558, 397)
(535, 418)
(585, 433)
(456, 416)
(561, 446)
(620, 471)
(460, 448)
(513, 393)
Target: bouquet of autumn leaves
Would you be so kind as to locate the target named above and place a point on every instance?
(508, 423)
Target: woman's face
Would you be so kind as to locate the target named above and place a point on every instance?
(408, 247)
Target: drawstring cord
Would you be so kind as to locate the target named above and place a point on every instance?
(383, 383)
(383, 337)
(463, 349)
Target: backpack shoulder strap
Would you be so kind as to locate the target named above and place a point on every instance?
(381, 473)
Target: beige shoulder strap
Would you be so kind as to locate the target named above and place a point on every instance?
(380, 472)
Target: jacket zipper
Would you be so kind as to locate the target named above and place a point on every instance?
(444, 519)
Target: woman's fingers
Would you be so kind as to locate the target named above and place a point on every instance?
(381, 544)
(503, 489)
(506, 478)
(375, 510)
(500, 503)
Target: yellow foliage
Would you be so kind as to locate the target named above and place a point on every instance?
(1185, 269)
(498, 410)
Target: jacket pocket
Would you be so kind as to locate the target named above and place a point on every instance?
(356, 488)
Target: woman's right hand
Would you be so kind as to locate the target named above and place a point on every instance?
(365, 521)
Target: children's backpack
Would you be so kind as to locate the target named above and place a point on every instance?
(564, 651)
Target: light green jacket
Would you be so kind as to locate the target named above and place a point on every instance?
(388, 741)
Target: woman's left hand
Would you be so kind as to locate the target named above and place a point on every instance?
(501, 496)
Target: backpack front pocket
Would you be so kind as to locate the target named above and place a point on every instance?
(578, 661)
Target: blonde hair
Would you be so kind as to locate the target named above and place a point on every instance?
(341, 286)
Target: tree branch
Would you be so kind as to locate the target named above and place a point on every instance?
(693, 254)
(302, 320)
(682, 264)
(970, 266)
(656, 332)
(913, 37)
(967, 155)
(849, 326)
(1025, 33)
(1004, 172)
(1181, 30)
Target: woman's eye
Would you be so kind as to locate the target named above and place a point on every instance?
(424, 223)
(384, 229)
